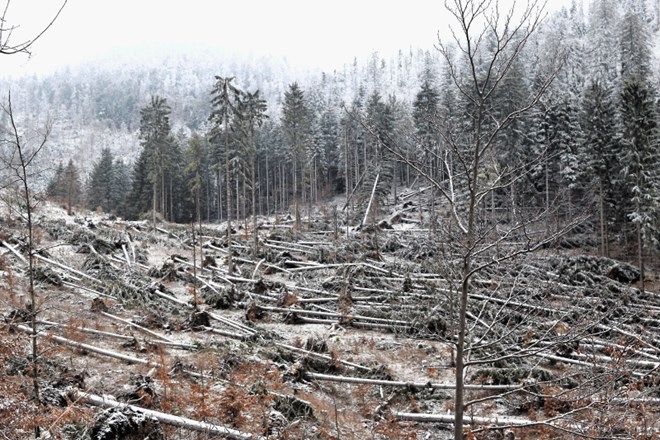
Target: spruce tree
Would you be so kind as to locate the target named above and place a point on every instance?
(251, 114)
(426, 111)
(599, 152)
(54, 189)
(71, 186)
(158, 144)
(120, 186)
(296, 128)
(641, 164)
(99, 186)
(138, 200)
(225, 97)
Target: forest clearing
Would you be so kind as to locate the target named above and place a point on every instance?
(318, 335)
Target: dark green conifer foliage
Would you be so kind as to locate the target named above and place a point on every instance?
(139, 199)
(599, 154)
(65, 187)
(162, 156)
(225, 98)
(296, 128)
(379, 163)
(100, 184)
(641, 164)
(54, 188)
(251, 115)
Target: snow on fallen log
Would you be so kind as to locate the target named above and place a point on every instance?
(15, 252)
(139, 327)
(102, 351)
(91, 348)
(393, 383)
(499, 422)
(169, 419)
(322, 356)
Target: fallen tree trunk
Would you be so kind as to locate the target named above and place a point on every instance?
(67, 268)
(102, 351)
(139, 327)
(321, 356)
(91, 348)
(169, 419)
(393, 383)
(15, 252)
(117, 335)
(498, 422)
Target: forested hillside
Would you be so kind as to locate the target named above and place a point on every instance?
(608, 62)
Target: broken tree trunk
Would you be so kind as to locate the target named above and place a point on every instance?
(371, 199)
(139, 327)
(15, 252)
(169, 419)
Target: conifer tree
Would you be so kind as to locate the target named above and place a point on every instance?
(635, 45)
(99, 186)
(641, 164)
(71, 186)
(379, 163)
(196, 153)
(138, 200)
(158, 144)
(251, 114)
(55, 184)
(296, 128)
(224, 101)
(599, 151)
(120, 186)
(426, 114)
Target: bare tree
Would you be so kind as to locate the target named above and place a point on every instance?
(18, 159)
(7, 44)
(488, 43)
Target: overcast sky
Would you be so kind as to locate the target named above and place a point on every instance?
(309, 33)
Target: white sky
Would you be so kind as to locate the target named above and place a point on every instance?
(309, 33)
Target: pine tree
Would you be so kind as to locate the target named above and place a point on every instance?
(72, 186)
(425, 115)
(225, 97)
(641, 164)
(54, 189)
(157, 142)
(251, 114)
(296, 127)
(599, 151)
(99, 186)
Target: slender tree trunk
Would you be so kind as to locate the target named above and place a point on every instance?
(22, 173)
(603, 224)
(459, 407)
(153, 205)
(254, 207)
(267, 186)
(218, 180)
(640, 256)
(230, 263)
